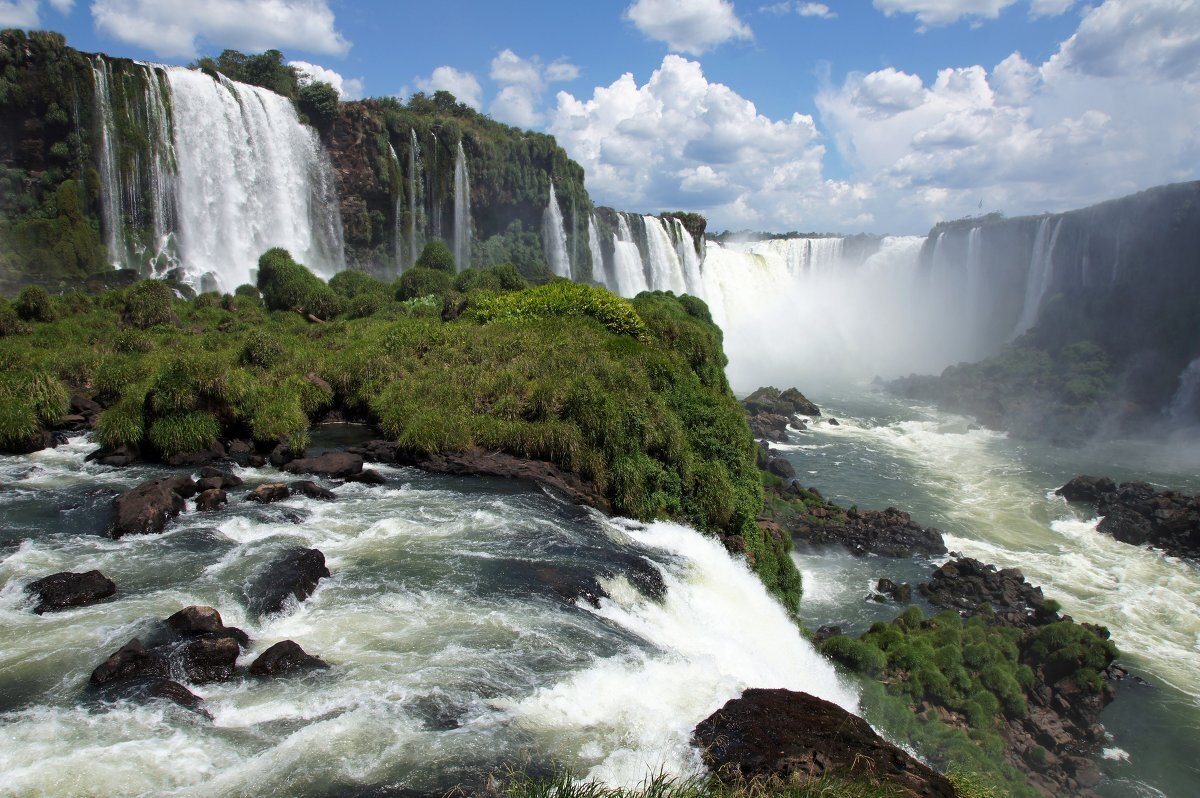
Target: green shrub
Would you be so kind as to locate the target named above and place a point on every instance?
(149, 303)
(10, 322)
(247, 290)
(349, 284)
(437, 256)
(30, 401)
(123, 423)
(34, 304)
(185, 432)
(563, 299)
(209, 299)
(261, 349)
(855, 655)
(132, 341)
(1068, 649)
(422, 282)
(365, 305)
(288, 285)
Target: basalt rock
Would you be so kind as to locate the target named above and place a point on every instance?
(211, 499)
(1136, 513)
(283, 658)
(901, 592)
(312, 490)
(368, 476)
(271, 492)
(295, 575)
(798, 738)
(65, 590)
(212, 454)
(197, 621)
(117, 457)
(336, 465)
(147, 508)
(131, 661)
(146, 688)
(890, 532)
(218, 478)
(965, 584)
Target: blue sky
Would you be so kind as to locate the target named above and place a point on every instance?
(872, 115)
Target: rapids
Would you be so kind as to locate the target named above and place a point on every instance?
(451, 655)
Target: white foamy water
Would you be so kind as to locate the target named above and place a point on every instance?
(451, 652)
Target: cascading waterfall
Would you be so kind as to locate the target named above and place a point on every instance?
(628, 272)
(462, 211)
(223, 172)
(251, 177)
(398, 214)
(110, 186)
(1041, 270)
(689, 259)
(554, 237)
(414, 192)
(666, 270)
(599, 273)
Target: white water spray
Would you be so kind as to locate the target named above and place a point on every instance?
(462, 211)
(554, 238)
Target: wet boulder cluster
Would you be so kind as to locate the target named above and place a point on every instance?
(1138, 514)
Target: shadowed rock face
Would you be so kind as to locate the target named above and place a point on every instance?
(796, 736)
(64, 590)
(147, 508)
(283, 658)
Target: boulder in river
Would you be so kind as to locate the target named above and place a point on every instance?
(147, 508)
(211, 499)
(312, 490)
(196, 621)
(799, 738)
(368, 476)
(283, 658)
(336, 465)
(294, 575)
(271, 492)
(1137, 513)
(64, 590)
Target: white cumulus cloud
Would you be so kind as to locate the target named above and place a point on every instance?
(347, 88)
(463, 85)
(819, 10)
(933, 13)
(1112, 112)
(176, 27)
(19, 13)
(523, 83)
(688, 26)
(681, 141)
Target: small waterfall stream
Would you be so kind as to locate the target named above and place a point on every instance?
(554, 238)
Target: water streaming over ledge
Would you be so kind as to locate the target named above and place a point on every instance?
(451, 652)
(554, 238)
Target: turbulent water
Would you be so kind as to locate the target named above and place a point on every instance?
(451, 653)
(993, 500)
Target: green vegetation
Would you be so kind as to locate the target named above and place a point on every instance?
(436, 255)
(266, 69)
(947, 687)
(629, 395)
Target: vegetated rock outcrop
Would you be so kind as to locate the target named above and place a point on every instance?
(1000, 662)
(770, 411)
(799, 739)
(65, 590)
(1136, 513)
(812, 520)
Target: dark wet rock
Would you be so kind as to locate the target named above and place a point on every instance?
(271, 492)
(147, 508)
(571, 583)
(72, 423)
(43, 439)
(64, 590)
(769, 427)
(436, 711)
(1086, 489)
(280, 456)
(823, 633)
(132, 661)
(283, 658)
(142, 689)
(801, 739)
(898, 592)
(208, 483)
(211, 499)
(1138, 514)
(208, 658)
(890, 532)
(118, 457)
(785, 403)
(228, 480)
(240, 452)
(479, 462)
(82, 405)
(294, 575)
(335, 465)
(781, 468)
(833, 422)
(210, 455)
(368, 476)
(312, 490)
(964, 584)
(195, 621)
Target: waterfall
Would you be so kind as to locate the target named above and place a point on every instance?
(110, 185)
(666, 272)
(554, 238)
(414, 191)
(974, 273)
(251, 177)
(462, 211)
(685, 247)
(628, 272)
(162, 171)
(1185, 405)
(599, 273)
(1037, 280)
(398, 214)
